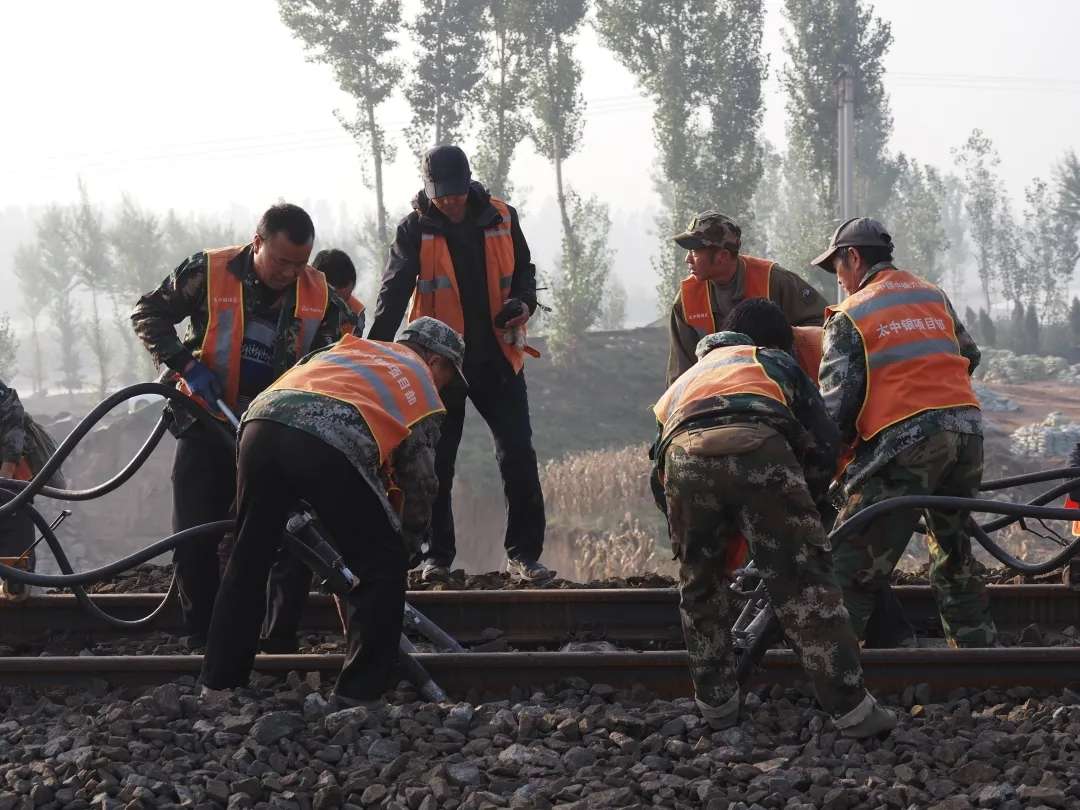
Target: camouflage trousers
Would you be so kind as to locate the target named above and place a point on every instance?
(947, 463)
(745, 479)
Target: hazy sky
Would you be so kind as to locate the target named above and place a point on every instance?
(209, 105)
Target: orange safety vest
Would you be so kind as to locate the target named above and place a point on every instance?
(807, 349)
(913, 360)
(22, 470)
(437, 293)
(725, 371)
(1071, 504)
(697, 299)
(224, 337)
(387, 383)
(357, 309)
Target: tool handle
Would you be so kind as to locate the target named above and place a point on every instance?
(226, 411)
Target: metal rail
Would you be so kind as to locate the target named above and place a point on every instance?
(493, 675)
(531, 617)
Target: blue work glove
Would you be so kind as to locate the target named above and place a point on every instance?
(203, 382)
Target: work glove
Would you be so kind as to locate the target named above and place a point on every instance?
(203, 382)
(513, 309)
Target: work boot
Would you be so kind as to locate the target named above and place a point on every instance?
(723, 716)
(340, 701)
(528, 571)
(432, 571)
(868, 719)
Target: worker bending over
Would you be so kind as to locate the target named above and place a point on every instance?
(720, 277)
(352, 431)
(254, 310)
(895, 375)
(745, 449)
(340, 273)
(463, 259)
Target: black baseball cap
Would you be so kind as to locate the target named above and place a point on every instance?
(855, 232)
(446, 171)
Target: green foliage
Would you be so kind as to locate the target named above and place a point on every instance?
(914, 217)
(93, 267)
(971, 322)
(35, 297)
(9, 345)
(987, 329)
(613, 311)
(954, 221)
(578, 291)
(448, 35)
(502, 95)
(1074, 320)
(822, 38)
(1048, 249)
(356, 39)
(1032, 337)
(978, 161)
(58, 276)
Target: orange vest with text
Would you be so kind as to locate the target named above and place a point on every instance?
(725, 371)
(437, 292)
(224, 337)
(697, 300)
(357, 308)
(807, 349)
(390, 386)
(913, 361)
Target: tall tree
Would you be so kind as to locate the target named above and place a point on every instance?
(915, 218)
(502, 95)
(613, 310)
(94, 269)
(57, 267)
(954, 221)
(36, 296)
(732, 160)
(448, 35)
(987, 329)
(138, 244)
(978, 161)
(666, 46)
(823, 37)
(1048, 249)
(356, 39)
(1074, 320)
(9, 345)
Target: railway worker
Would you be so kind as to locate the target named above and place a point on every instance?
(341, 431)
(895, 375)
(745, 449)
(462, 257)
(340, 273)
(720, 277)
(254, 310)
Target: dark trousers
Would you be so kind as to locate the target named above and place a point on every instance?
(204, 489)
(277, 467)
(503, 402)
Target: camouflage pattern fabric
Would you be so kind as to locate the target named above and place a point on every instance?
(946, 463)
(801, 303)
(183, 295)
(710, 229)
(762, 493)
(843, 386)
(340, 425)
(13, 437)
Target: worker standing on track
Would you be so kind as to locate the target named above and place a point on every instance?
(895, 375)
(720, 277)
(340, 273)
(462, 257)
(341, 431)
(254, 311)
(746, 448)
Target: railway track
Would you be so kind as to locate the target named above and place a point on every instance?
(665, 673)
(531, 617)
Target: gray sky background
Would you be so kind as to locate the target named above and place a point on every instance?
(210, 106)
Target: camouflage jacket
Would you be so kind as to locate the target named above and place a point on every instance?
(801, 303)
(183, 295)
(804, 422)
(339, 425)
(13, 438)
(843, 385)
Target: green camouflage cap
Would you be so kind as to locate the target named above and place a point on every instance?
(436, 336)
(710, 229)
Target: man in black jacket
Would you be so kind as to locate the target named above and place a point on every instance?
(462, 251)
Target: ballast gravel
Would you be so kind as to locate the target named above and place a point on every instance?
(284, 744)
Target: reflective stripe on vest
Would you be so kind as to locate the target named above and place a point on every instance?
(913, 360)
(437, 294)
(224, 336)
(807, 349)
(696, 295)
(724, 371)
(387, 383)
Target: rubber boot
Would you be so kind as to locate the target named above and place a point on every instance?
(723, 716)
(868, 719)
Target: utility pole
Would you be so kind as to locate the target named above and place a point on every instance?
(845, 149)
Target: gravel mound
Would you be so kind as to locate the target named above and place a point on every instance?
(1001, 365)
(576, 745)
(1054, 436)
